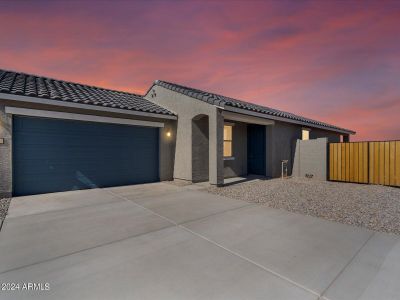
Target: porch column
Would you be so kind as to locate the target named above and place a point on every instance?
(5, 153)
(216, 148)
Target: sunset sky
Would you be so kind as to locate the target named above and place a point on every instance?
(334, 61)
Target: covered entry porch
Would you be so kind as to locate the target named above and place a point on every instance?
(244, 145)
(217, 144)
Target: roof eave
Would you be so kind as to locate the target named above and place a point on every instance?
(28, 99)
(258, 114)
(287, 120)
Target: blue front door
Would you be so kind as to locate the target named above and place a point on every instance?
(256, 149)
(59, 155)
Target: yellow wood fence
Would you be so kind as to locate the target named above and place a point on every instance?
(365, 162)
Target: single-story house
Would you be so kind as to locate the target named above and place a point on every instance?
(57, 135)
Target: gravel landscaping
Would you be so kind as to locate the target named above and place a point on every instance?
(4, 204)
(371, 206)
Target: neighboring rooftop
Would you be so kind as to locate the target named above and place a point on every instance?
(222, 101)
(59, 90)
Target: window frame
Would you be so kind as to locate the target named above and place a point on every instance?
(303, 130)
(230, 157)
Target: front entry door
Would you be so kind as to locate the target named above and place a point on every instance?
(256, 149)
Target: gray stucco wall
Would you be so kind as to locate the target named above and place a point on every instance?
(200, 150)
(5, 154)
(167, 150)
(187, 108)
(237, 166)
(281, 141)
(319, 133)
(311, 159)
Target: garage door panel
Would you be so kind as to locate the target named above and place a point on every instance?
(72, 181)
(85, 154)
(57, 155)
(37, 139)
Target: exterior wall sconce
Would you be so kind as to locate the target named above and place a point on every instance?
(168, 133)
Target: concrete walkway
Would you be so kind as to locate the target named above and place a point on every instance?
(161, 241)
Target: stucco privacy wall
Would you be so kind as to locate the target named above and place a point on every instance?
(187, 108)
(281, 141)
(237, 166)
(166, 144)
(5, 153)
(311, 159)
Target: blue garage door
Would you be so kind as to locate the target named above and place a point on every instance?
(59, 155)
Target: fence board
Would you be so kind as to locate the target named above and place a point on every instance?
(332, 166)
(381, 163)
(392, 163)
(355, 162)
(331, 161)
(351, 158)
(347, 162)
(339, 163)
(366, 169)
(335, 162)
(376, 163)
(371, 163)
(387, 156)
(360, 163)
(365, 162)
(343, 171)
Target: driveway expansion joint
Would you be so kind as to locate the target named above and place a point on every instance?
(62, 209)
(181, 226)
(86, 249)
(188, 221)
(141, 206)
(347, 264)
(253, 262)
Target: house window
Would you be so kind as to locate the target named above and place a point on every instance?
(305, 135)
(228, 140)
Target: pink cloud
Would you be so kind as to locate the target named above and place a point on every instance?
(332, 61)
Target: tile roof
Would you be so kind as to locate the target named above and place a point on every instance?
(59, 90)
(222, 101)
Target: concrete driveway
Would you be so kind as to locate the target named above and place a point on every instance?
(161, 241)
